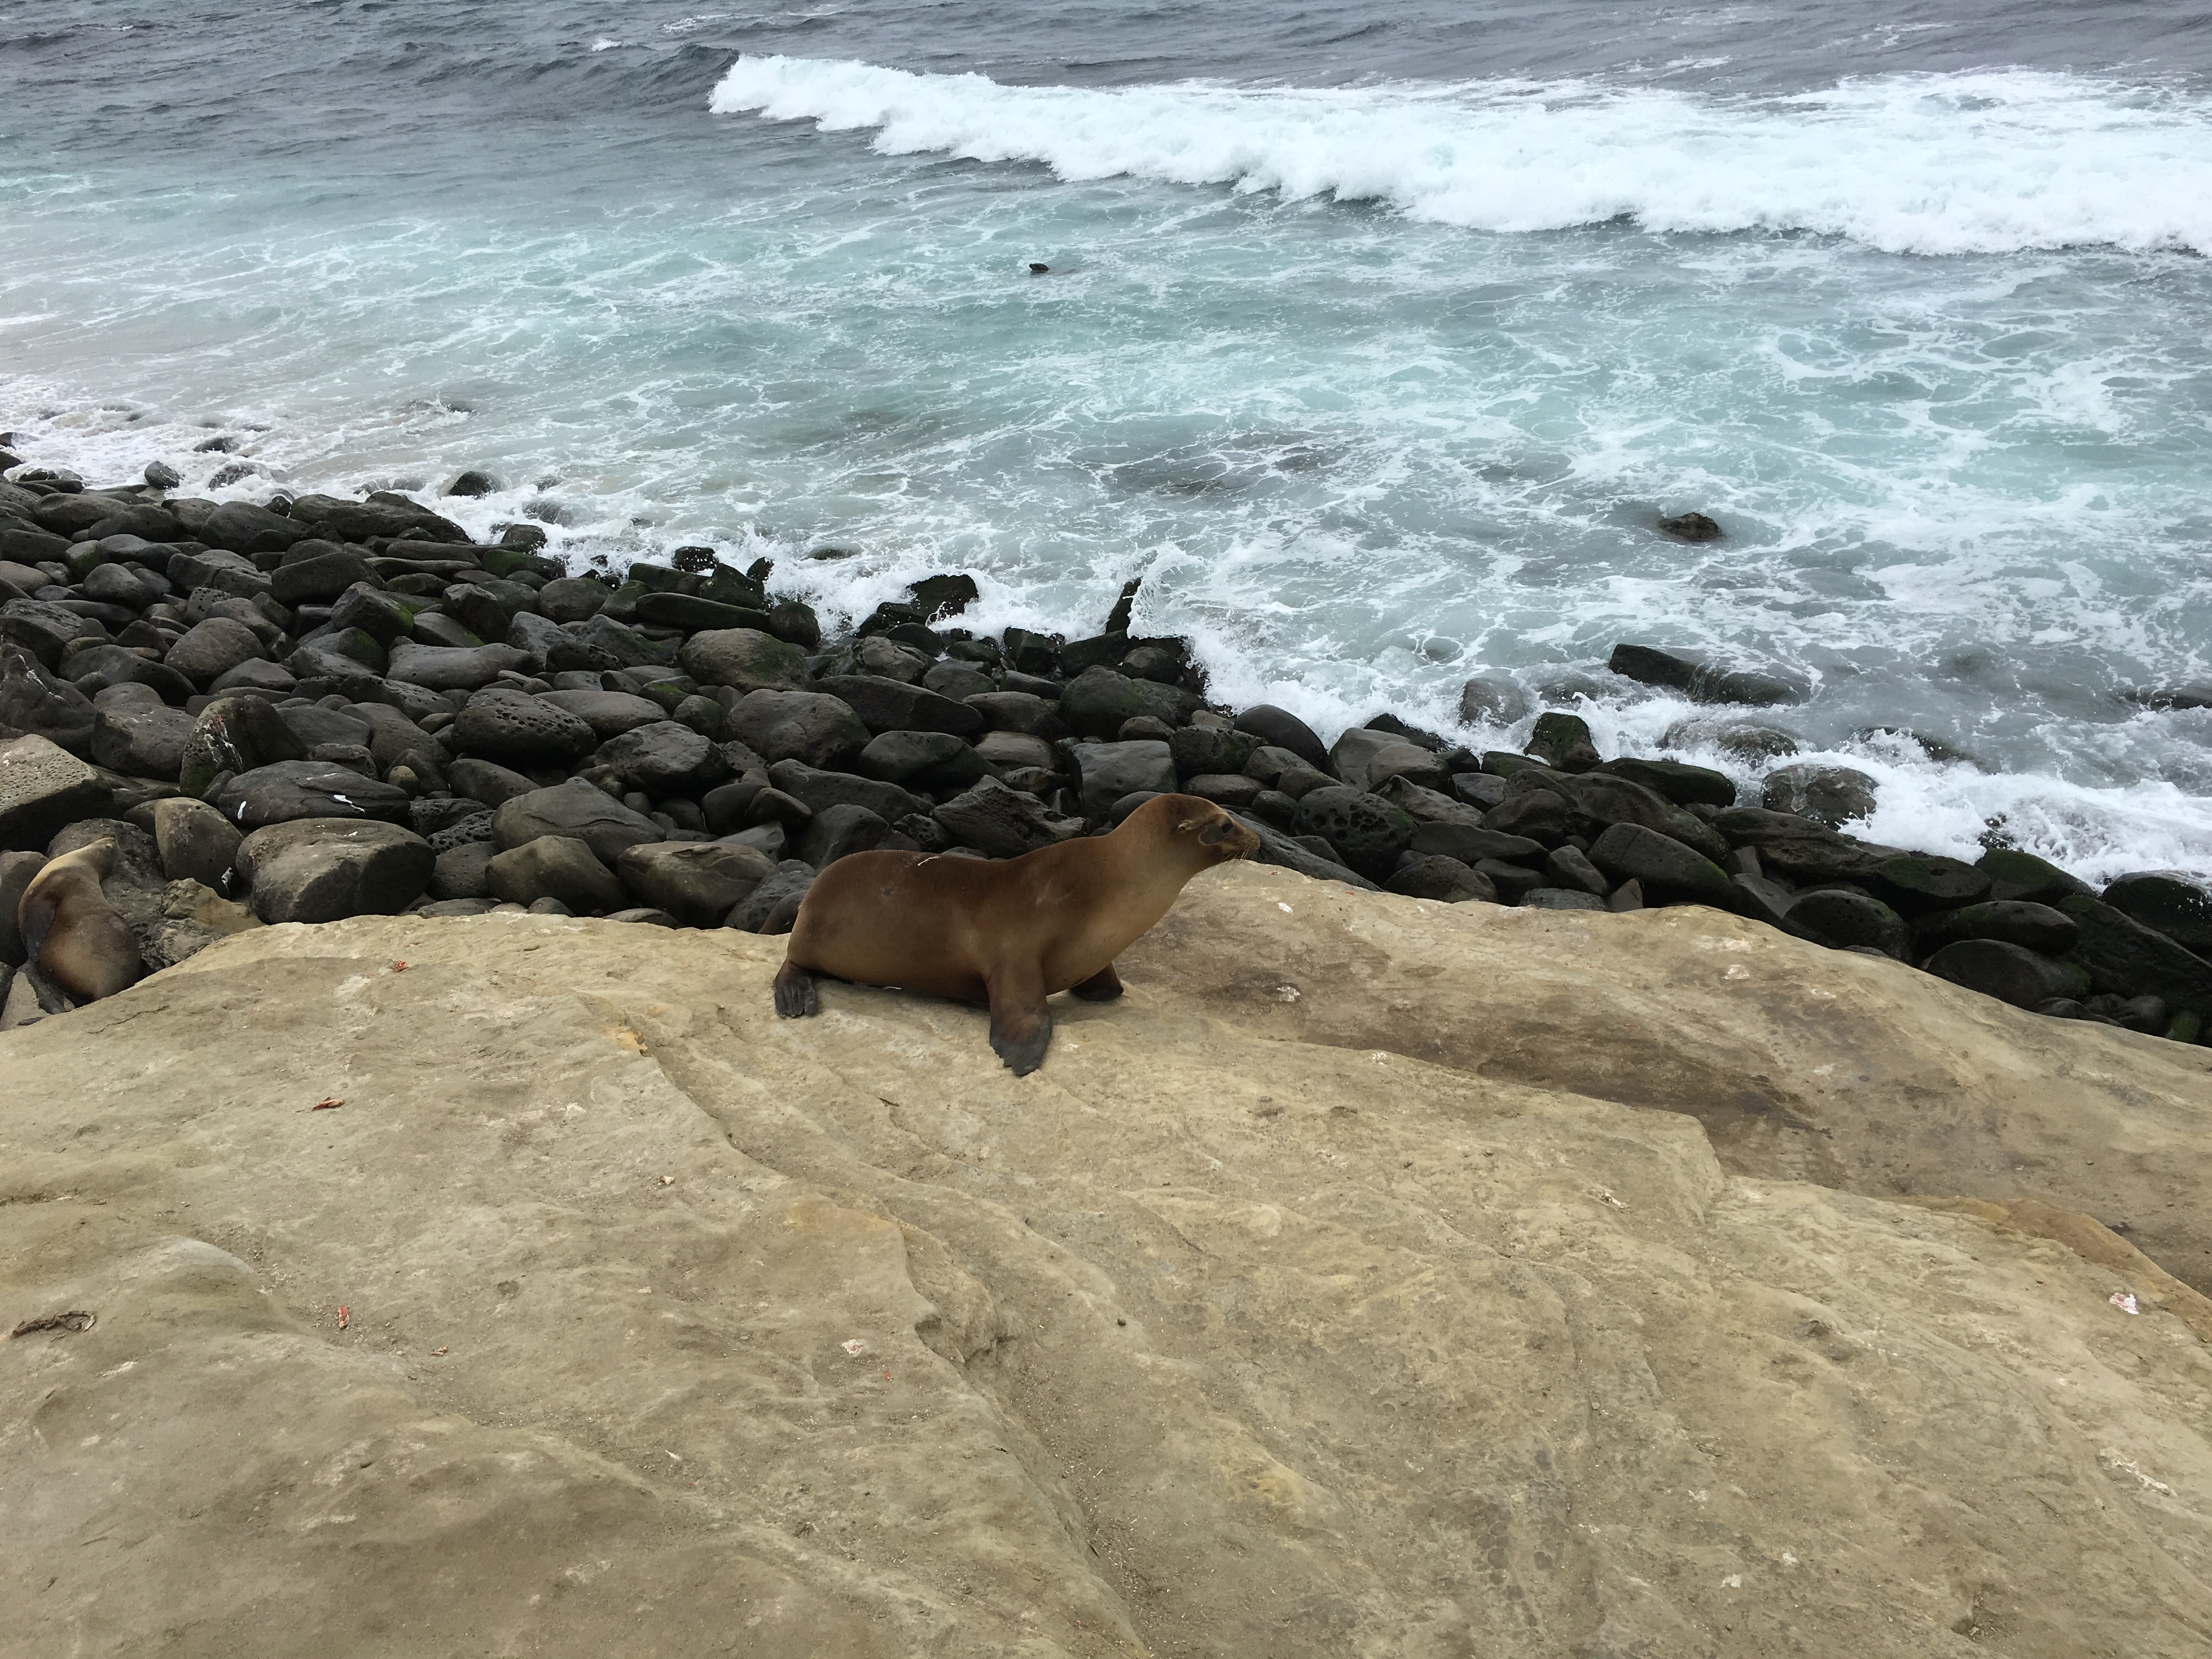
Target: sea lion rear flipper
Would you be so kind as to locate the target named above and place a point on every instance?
(780, 918)
(35, 919)
(794, 992)
(1021, 1023)
(1102, 987)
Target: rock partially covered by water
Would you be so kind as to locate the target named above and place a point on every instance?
(1833, 795)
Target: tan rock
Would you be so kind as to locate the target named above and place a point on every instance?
(1308, 1301)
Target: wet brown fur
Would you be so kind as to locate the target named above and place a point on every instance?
(71, 932)
(1007, 933)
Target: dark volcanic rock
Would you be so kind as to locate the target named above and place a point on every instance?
(39, 704)
(291, 790)
(1683, 784)
(212, 648)
(452, 668)
(698, 883)
(2011, 922)
(1491, 702)
(837, 830)
(787, 883)
(609, 713)
(573, 809)
(1447, 879)
(2017, 875)
(1801, 849)
(319, 870)
(802, 725)
(933, 759)
(820, 790)
(43, 787)
(1668, 870)
(244, 528)
(1691, 527)
(1833, 795)
(2127, 959)
(1367, 831)
(1608, 797)
(1536, 815)
(195, 843)
(2177, 905)
(1284, 730)
(1471, 843)
(46, 629)
(384, 514)
(745, 658)
(235, 734)
(486, 781)
(113, 665)
(1107, 771)
(319, 580)
(141, 742)
(2010, 973)
(1003, 822)
(1019, 711)
(1927, 881)
(516, 729)
(664, 758)
(1279, 849)
(1841, 918)
(1703, 682)
(890, 705)
(554, 867)
(1562, 740)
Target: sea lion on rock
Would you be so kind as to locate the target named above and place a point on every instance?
(1008, 933)
(71, 933)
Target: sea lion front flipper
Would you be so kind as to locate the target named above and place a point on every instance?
(794, 992)
(35, 919)
(1021, 1023)
(1102, 987)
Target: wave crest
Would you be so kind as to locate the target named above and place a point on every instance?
(1988, 161)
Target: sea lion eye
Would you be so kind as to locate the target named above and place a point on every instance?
(1214, 833)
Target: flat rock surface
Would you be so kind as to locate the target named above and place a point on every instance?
(1337, 1291)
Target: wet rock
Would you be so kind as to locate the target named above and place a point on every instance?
(557, 867)
(1833, 795)
(385, 514)
(1280, 729)
(241, 527)
(746, 658)
(322, 869)
(1607, 797)
(2017, 875)
(37, 704)
(1800, 849)
(2174, 903)
(1365, 760)
(835, 831)
(1484, 790)
(1471, 843)
(1003, 822)
(626, 647)
(787, 883)
(1491, 703)
(319, 579)
(1445, 879)
(1562, 740)
(1691, 527)
(1199, 749)
(573, 810)
(2125, 958)
(697, 883)
(43, 787)
(287, 791)
(1367, 832)
(573, 598)
(1669, 872)
(957, 680)
(664, 758)
(519, 729)
(453, 668)
(816, 728)
(1840, 919)
(1098, 702)
(1107, 771)
(2032, 926)
(1678, 781)
(2008, 972)
(946, 594)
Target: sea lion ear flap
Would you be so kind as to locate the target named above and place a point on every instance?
(1214, 834)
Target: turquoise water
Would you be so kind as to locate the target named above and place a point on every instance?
(1377, 359)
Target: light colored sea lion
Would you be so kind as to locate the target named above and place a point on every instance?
(71, 933)
(1008, 933)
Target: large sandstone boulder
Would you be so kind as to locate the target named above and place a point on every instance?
(1305, 1303)
(321, 869)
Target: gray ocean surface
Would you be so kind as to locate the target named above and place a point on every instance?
(1375, 340)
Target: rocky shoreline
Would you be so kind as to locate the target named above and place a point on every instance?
(322, 708)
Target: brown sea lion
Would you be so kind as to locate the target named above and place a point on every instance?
(1008, 933)
(71, 932)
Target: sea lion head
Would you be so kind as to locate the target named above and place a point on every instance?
(1197, 829)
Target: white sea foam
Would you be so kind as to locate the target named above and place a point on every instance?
(1987, 162)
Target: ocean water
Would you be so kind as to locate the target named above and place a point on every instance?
(1376, 346)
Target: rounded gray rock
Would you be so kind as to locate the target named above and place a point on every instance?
(322, 869)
